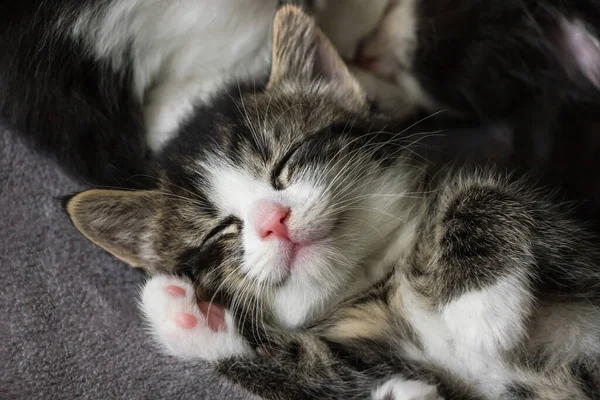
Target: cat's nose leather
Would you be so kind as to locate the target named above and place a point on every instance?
(271, 220)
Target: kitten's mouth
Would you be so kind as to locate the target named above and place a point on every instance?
(298, 253)
(297, 248)
(299, 256)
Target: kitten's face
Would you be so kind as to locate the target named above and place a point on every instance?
(282, 204)
(286, 205)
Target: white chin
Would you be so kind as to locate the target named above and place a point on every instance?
(308, 290)
(297, 302)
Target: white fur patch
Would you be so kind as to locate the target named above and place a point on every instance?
(401, 389)
(232, 189)
(490, 320)
(445, 347)
(182, 51)
(161, 309)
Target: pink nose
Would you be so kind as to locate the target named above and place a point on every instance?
(271, 220)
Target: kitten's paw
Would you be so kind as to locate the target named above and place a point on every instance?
(402, 389)
(186, 328)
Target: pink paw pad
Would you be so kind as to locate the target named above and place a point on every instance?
(186, 320)
(175, 291)
(214, 314)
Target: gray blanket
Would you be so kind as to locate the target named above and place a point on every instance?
(69, 325)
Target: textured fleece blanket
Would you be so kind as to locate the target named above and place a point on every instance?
(69, 325)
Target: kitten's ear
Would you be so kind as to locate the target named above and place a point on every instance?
(302, 52)
(115, 220)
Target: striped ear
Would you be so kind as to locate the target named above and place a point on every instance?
(301, 52)
(116, 220)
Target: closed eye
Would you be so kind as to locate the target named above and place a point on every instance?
(228, 226)
(276, 180)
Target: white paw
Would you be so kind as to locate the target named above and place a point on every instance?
(402, 389)
(176, 321)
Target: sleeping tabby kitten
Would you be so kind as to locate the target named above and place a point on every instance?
(313, 250)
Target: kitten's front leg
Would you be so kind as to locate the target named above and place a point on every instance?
(297, 366)
(301, 366)
(185, 328)
(346, 354)
(482, 272)
(289, 365)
